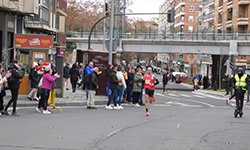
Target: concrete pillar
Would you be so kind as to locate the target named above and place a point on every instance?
(59, 81)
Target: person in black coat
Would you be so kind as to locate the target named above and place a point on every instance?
(34, 77)
(165, 81)
(93, 86)
(14, 85)
(130, 84)
(74, 75)
(107, 71)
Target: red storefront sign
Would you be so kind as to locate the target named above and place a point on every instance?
(61, 52)
(33, 42)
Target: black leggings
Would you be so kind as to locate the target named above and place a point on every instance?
(44, 99)
(1, 102)
(14, 94)
(73, 82)
(136, 96)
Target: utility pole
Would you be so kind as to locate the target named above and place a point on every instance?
(123, 17)
(104, 25)
(117, 12)
(111, 32)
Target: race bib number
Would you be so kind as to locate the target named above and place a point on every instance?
(147, 81)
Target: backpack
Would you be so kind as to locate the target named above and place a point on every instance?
(87, 79)
(11, 79)
(31, 74)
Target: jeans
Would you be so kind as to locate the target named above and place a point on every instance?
(125, 92)
(87, 95)
(129, 93)
(14, 95)
(113, 97)
(44, 99)
(107, 91)
(141, 94)
(119, 95)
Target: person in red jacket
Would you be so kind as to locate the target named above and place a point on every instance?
(150, 82)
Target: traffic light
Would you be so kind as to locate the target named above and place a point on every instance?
(178, 63)
(106, 9)
(171, 15)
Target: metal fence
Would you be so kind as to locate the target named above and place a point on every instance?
(173, 36)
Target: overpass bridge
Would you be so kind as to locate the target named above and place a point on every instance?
(214, 44)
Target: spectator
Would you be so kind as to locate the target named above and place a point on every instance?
(226, 80)
(205, 82)
(138, 80)
(14, 85)
(196, 81)
(88, 70)
(107, 71)
(141, 94)
(122, 85)
(45, 88)
(231, 84)
(130, 84)
(165, 82)
(123, 63)
(66, 75)
(93, 86)
(114, 85)
(74, 75)
(2, 82)
(127, 68)
(34, 77)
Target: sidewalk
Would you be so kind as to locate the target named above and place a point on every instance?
(70, 99)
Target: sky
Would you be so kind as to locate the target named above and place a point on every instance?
(147, 6)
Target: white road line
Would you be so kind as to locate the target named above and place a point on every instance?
(198, 96)
(171, 95)
(113, 133)
(184, 95)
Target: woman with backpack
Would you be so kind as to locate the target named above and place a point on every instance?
(34, 77)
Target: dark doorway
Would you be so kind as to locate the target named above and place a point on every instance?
(10, 40)
(1, 45)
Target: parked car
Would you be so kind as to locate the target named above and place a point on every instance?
(180, 77)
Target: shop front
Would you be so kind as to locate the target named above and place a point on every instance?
(28, 50)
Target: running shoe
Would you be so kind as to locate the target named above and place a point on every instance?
(5, 112)
(167, 92)
(162, 92)
(39, 110)
(147, 113)
(109, 107)
(46, 112)
(154, 99)
(227, 101)
(15, 114)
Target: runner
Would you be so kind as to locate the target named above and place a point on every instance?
(150, 82)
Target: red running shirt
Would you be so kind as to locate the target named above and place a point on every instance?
(149, 80)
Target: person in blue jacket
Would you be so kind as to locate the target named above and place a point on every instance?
(88, 70)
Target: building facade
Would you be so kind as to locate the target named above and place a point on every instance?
(164, 25)
(185, 16)
(231, 16)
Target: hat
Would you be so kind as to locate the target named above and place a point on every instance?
(47, 68)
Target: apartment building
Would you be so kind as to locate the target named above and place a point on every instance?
(164, 25)
(231, 16)
(45, 17)
(205, 19)
(185, 16)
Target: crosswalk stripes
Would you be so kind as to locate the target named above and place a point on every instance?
(184, 95)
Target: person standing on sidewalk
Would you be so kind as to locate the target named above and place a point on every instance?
(66, 75)
(114, 85)
(122, 85)
(14, 85)
(130, 84)
(165, 82)
(150, 82)
(93, 86)
(34, 77)
(226, 80)
(88, 70)
(142, 87)
(45, 88)
(107, 71)
(138, 79)
(2, 82)
(74, 75)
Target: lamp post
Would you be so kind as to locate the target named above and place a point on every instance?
(111, 32)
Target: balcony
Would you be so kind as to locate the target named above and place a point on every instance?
(180, 4)
(243, 2)
(61, 7)
(209, 17)
(37, 23)
(229, 4)
(242, 21)
(209, 3)
(229, 22)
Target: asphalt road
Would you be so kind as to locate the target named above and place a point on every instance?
(177, 121)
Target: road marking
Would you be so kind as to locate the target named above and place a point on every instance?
(182, 104)
(113, 133)
(161, 105)
(184, 95)
(178, 125)
(199, 96)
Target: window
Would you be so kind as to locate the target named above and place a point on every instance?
(182, 8)
(190, 28)
(191, 8)
(236, 11)
(191, 0)
(190, 18)
(182, 18)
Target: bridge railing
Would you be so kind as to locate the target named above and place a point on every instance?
(172, 36)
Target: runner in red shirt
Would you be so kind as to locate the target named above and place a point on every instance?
(150, 82)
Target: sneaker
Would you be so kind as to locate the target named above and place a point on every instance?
(227, 101)
(15, 114)
(109, 107)
(137, 105)
(147, 113)
(29, 98)
(67, 88)
(36, 99)
(167, 92)
(0, 114)
(46, 112)
(121, 107)
(5, 112)
(88, 107)
(162, 92)
(107, 97)
(116, 107)
(39, 110)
